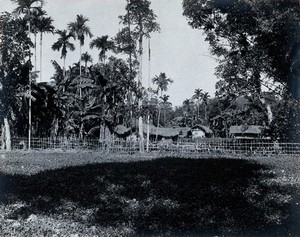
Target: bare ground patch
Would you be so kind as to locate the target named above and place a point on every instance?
(84, 194)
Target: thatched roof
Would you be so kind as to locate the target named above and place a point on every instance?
(205, 129)
(250, 129)
(121, 130)
(166, 132)
(183, 131)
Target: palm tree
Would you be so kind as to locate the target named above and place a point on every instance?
(205, 97)
(80, 29)
(186, 104)
(86, 58)
(198, 96)
(162, 83)
(44, 26)
(103, 44)
(64, 44)
(143, 21)
(165, 103)
(24, 7)
(35, 17)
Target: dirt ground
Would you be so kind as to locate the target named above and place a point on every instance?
(32, 162)
(284, 172)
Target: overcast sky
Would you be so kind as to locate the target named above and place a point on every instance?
(178, 50)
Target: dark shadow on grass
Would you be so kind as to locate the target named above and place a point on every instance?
(168, 195)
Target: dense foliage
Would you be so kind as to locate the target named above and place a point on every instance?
(257, 43)
(91, 98)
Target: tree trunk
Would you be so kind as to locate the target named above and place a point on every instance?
(80, 92)
(35, 63)
(80, 95)
(64, 74)
(29, 112)
(158, 118)
(64, 68)
(41, 56)
(148, 131)
(2, 138)
(140, 76)
(268, 110)
(81, 131)
(164, 115)
(7, 135)
(85, 69)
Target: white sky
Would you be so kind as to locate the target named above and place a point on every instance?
(178, 50)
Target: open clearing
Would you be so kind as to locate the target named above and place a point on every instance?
(95, 194)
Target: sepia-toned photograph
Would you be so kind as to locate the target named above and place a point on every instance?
(150, 118)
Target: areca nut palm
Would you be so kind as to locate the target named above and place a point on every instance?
(44, 26)
(205, 97)
(165, 102)
(35, 17)
(197, 96)
(80, 29)
(86, 58)
(63, 43)
(162, 82)
(24, 7)
(103, 44)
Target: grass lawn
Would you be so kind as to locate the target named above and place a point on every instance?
(156, 197)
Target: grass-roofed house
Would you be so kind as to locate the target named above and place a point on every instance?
(200, 131)
(155, 133)
(246, 131)
(166, 132)
(122, 131)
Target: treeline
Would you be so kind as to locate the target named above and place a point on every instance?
(250, 39)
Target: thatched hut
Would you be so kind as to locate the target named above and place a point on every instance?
(155, 132)
(122, 131)
(199, 131)
(168, 133)
(246, 131)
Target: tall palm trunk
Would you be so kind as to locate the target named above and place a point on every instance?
(64, 67)
(64, 73)
(80, 92)
(205, 111)
(85, 69)
(198, 108)
(41, 56)
(80, 95)
(35, 58)
(164, 115)
(158, 117)
(130, 68)
(29, 112)
(141, 132)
